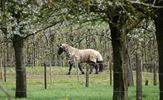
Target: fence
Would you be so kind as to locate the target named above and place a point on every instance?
(45, 78)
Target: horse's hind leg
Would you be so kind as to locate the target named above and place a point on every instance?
(80, 68)
(91, 69)
(101, 66)
(93, 65)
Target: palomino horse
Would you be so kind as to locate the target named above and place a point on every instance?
(78, 56)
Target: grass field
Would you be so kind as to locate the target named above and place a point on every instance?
(66, 87)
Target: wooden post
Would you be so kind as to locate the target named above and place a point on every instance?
(5, 78)
(110, 68)
(50, 64)
(4, 63)
(1, 68)
(138, 77)
(76, 65)
(87, 76)
(154, 75)
(45, 82)
(77, 72)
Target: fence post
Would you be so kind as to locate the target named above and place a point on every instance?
(45, 82)
(76, 66)
(5, 73)
(110, 68)
(1, 69)
(154, 74)
(87, 76)
(77, 73)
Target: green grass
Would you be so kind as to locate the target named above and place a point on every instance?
(66, 87)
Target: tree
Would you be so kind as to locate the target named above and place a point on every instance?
(19, 20)
(159, 36)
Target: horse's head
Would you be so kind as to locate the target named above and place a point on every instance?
(61, 48)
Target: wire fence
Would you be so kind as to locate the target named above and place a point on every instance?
(57, 75)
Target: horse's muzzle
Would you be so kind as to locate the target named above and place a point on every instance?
(60, 51)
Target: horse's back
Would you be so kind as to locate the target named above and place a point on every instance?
(90, 55)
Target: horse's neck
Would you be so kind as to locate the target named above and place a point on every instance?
(71, 51)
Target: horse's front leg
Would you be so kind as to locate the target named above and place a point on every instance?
(80, 68)
(70, 67)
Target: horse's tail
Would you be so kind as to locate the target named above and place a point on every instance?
(100, 62)
(101, 66)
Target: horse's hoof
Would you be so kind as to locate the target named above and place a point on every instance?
(68, 73)
(82, 73)
(96, 73)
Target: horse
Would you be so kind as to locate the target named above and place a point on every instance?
(79, 56)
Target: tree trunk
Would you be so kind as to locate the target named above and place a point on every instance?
(138, 77)
(159, 36)
(18, 43)
(120, 88)
(130, 74)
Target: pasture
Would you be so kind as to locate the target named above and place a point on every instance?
(66, 87)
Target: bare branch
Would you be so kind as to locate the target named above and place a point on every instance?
(146, 4)
(42, 29)
(154, 2)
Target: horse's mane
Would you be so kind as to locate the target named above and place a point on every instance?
(68, 47)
